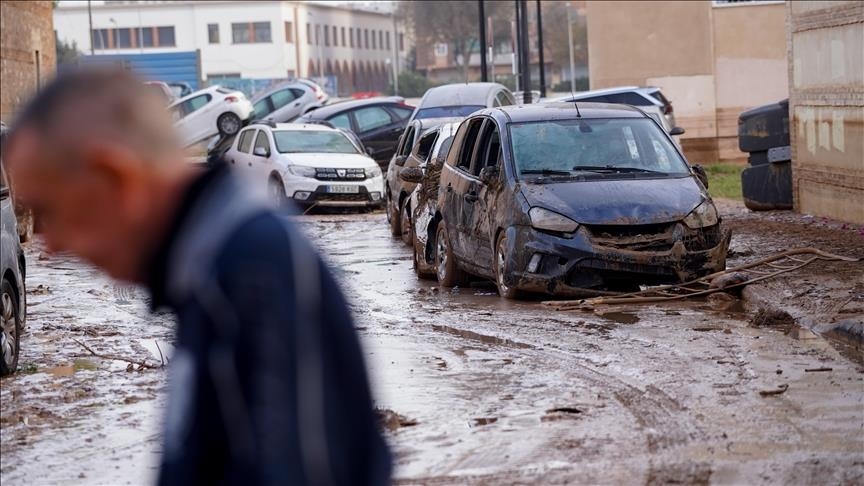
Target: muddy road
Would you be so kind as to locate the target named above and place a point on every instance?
(475, 389)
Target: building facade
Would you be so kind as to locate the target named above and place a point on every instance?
(713, 60)
(356, 50)
(28, 54)
(826, 104)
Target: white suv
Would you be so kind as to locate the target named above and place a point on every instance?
(310, 164)
(208, 112)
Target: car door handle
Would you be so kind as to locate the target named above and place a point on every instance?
(250, 164)
(471, 197)
(297, 104)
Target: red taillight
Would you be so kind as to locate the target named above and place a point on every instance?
(231, 99)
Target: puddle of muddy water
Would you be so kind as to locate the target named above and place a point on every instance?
(483, 338)
(619, 317)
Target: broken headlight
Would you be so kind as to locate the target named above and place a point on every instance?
(373, 172)
(543, 219)
(302, 171)
(703, 216)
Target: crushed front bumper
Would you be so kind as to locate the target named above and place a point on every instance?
(586, 263)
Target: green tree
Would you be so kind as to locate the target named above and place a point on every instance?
(67, 53)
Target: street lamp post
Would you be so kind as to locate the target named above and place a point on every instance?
(570, 47)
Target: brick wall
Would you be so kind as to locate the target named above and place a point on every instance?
(26, 28)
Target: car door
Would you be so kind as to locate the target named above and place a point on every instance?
(375, 127)
(260, 158)
(239, 156)
(459, 193)
(197, 120)
(483, 214)
(286, 105)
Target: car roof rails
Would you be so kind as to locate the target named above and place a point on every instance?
(270, 123)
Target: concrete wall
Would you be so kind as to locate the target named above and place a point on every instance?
(826, 75)
(25, 28)
(712, 62)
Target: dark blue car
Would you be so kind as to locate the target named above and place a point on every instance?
(566, 200)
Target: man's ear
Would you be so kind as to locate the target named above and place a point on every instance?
(116, 170)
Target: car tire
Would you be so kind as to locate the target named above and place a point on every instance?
(228, 124)
(500, 264)
(448, 273)
(10, 320)
(276, 192)
(405, 225)
(394, 212)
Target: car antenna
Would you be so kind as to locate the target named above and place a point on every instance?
(578, 115)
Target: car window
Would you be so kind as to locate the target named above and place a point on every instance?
(601, 147)
(262, 108)
(313, 141)
(341, 121)
(595, 99)
(262, 142)
(407, 141)
(503, 99)
(470, 140)
(245, 141)
(281, 98)
(194, 104)
(447, 111)
(401, 112)
(489, 151)
(629, 98)
(371, 118)
(424, 146)
(298, 93)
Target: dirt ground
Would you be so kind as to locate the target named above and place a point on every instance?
(474, 389)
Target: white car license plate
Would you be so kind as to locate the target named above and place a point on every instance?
(343, 189)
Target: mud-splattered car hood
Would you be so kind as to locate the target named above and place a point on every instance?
(617, 201)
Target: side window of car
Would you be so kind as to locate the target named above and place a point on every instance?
(341, 121)
(245, 141)
(401, 112)
(596, 99)
(424, 146)
(298, 93)
(195, 104)
(281, 98)
(488, 148)
(371, 118)
(407, 141)
(503, 99)
(262, 142)
(467, 150)
(262, 108)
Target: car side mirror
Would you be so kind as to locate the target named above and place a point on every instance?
(411, 174)
(701, 174)
(676, 131)
(369, 151)
(261, 152)
(400, 160)
(489, 174)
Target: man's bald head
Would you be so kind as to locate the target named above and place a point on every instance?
(103, 106)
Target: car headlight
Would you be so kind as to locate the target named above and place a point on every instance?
(302, 171)
(543, 219)
(373, 172)
(703, 216)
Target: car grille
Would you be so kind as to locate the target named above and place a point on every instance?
(641, 237)
(340, 174)
(702, 239)
(362, 197)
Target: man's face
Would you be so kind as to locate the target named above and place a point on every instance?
(89, 206)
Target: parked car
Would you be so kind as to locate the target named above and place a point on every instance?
(412, 151)
(422, 205)
(309, 164)
(320, 94)
(548, 198)
(208, 112)
(377, 121)
(285, 102)
(533, 97)
(648, 99)
(461, 99)
(13, 295)
(179, 89)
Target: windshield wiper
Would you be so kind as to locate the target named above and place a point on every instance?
(613, 169)
(548, 172)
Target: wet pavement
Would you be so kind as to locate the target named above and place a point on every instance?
(473, 388)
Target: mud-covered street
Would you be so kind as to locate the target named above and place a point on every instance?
(476, 389)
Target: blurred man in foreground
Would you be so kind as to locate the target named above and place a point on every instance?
(268, 384)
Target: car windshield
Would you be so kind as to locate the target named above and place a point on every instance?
(309, 141)
(447, 111)
(578, 147)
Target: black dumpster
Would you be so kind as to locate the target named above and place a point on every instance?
(763, 133)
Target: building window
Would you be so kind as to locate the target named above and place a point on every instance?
(146, 37)
(213, 33)
(388, 40)
(308, 33)
(374, 45)
(366, 38)
(317, 35)
(326, 35)
(135, 37)
(250, 33)
(381, 39)
(401, 41)
(440, 50)
(123, 39)
(289, 32)
(351, 35)
(165, 37)
(343, 37)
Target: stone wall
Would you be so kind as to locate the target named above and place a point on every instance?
(27, 52)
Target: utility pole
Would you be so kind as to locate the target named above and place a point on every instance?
(481, 17)
(570, 46)
(540, 41)
(517, 49)
(90, 18)
(395, 56)
(491, 30)
(525, 60)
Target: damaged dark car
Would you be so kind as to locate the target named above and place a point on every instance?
(571, 201)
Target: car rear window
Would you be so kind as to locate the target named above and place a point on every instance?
(447, 111)
(659, 95)
(310, 141)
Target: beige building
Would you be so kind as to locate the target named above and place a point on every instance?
(27, 52)
(713, 60)
(826, 76)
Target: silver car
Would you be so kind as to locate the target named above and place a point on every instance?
(13, 300)
(285, 102)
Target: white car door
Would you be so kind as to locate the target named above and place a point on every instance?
(262, 157)
(287, 104)
(197, 120)
(240, 155)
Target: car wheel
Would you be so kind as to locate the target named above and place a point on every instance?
(405, 223)
(449, 275)
(10, 318)
(504, 290)
(228, 124)
(394, 211)
(276, 191)
(423, 275)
